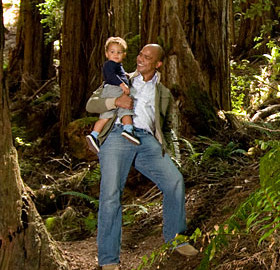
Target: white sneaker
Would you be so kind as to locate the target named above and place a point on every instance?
(187, 250)
(131, 137)
(93, 143)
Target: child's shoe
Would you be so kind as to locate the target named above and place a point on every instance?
(131, 137)
(93, 143)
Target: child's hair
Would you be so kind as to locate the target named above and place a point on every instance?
(116, 40)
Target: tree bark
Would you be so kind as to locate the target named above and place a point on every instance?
(124, 14)
(194, 35)
(30, 64)
(250, 28)
(73, 64)
(24, 242)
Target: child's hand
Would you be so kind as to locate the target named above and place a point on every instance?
(125, 88)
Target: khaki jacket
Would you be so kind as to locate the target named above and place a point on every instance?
(165, 114)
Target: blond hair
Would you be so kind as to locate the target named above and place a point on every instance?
(116, 40)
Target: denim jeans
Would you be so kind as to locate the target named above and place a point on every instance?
(116, 156)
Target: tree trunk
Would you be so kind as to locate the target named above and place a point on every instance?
(30, 64)
(73, 64)
(85, 29)
(196, 67)
(250, 28)
(24, 242)
(126, 23)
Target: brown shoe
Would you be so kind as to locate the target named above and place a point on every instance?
(187, 250)
(110, 267)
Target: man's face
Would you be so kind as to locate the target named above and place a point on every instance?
(148, 62)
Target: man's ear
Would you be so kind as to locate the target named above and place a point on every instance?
(159, 64)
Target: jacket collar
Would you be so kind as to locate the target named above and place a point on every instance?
(136, 73)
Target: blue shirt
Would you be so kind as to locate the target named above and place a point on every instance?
(114, 73)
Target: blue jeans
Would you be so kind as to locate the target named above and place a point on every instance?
(116, 156)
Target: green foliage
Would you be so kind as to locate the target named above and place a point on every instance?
(52, 13)
(93, 176)
(213, 150)
(251, 87)
(91, 222)
(221, 151)
(270, 169)
(48, 96)
(258, 8)
(80, 195)
(160, 254)
(241, 78)
(131, 211)
(50, 223)
(133, 44)
(258, 215)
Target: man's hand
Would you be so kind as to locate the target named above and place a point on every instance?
(125, 102)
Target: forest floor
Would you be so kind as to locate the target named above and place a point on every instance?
(208, 203)
(213, 191)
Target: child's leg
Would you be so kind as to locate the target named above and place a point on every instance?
(98, 126)
(128, 132)
(127, 123)
(91, 139)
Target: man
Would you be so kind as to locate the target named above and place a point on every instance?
(153, 119)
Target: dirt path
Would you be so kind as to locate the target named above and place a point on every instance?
(206, 206)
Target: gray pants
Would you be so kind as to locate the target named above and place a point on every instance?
(110, 91)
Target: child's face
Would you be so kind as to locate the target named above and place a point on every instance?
(115, 53)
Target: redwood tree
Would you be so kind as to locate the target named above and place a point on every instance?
(30, 63)
(252, 16)
(24, 241)
(194, 35)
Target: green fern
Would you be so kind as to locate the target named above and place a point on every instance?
(82, 196)
(259, 214)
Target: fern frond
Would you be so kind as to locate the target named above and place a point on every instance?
(82, 196)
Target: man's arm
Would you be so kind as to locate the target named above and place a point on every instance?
(96, 104)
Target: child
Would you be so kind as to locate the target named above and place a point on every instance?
(115, 83)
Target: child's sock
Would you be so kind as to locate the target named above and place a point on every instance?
(94, 134)
(128, 128)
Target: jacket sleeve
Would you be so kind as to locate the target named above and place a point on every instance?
(171, 129)
(96, 104)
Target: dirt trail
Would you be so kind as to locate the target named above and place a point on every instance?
(206, 206)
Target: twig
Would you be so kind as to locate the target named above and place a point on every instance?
(41, 88)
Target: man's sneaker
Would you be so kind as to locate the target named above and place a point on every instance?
(110, 267)
(187, 250)
(93, 143)
(131, 137)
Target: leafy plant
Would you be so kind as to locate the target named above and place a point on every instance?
(92, 200)
(160, 254)
(241, 80)
(130, 212)
(91, 222)
(93, 176)
(52, 12)
(259, 214)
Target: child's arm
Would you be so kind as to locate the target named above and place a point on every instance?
(125, 88)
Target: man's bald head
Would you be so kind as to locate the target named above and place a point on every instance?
(158, 49)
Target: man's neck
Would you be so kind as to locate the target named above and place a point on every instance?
(148, 77)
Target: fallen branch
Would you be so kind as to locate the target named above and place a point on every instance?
(264, 113)
(41, 88)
